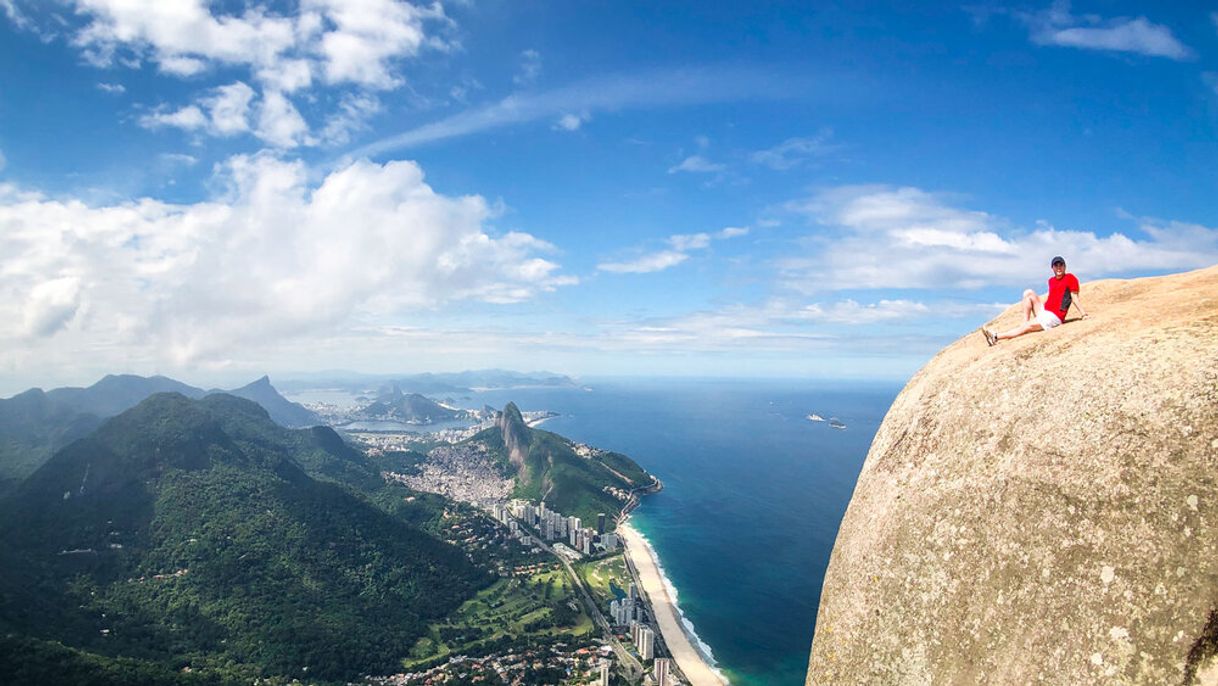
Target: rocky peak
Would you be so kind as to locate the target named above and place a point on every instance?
(516, 433)
(1042, 511)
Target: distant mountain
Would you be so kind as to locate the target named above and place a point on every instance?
(431, 383)
(481, 378)
(547, 467)
(118, 392)
(35, 424)
(32, 426)
(411, 408)
(199, 536)
(283, 411)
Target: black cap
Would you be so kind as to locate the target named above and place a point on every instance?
(1053, 262)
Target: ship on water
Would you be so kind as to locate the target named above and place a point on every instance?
(815, 418)
(835, 423)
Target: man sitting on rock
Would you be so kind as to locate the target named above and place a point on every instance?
(1063, 292)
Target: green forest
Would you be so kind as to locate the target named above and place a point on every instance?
(195, 541)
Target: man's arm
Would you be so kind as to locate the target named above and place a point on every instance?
(1078, 303)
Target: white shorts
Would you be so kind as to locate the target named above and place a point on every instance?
(1047, 320)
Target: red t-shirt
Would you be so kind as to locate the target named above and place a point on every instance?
(1058, 301)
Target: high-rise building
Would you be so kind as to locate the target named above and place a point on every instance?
(662, 671)
(604, 675)
(600, 523)
(609, 540)
(646, 643)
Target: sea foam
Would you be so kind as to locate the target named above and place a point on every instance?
(701, 646)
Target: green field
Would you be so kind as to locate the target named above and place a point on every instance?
(511, 612)
(601, 575)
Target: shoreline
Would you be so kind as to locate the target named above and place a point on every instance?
(676, 630)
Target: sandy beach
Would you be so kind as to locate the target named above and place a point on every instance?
(687, 657)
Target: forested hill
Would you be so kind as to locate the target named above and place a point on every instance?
(574, 480)
(36, 423)
(199, 534)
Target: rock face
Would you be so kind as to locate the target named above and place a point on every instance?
(283, 411)
(1043, 511)
(516, 435)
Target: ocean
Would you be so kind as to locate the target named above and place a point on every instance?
(754, 493)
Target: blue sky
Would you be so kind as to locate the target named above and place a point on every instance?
(215, 190)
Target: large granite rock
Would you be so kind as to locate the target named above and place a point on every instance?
(1044, 511)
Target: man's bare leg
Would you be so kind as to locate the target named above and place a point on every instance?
(1028, 327)
(1031, 305)
(1031, 308)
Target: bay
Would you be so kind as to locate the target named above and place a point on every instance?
(753, 496)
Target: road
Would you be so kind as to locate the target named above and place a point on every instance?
(633, 666)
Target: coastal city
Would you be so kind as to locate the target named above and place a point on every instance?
(626, 647)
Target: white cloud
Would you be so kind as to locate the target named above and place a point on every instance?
(697, 164)
(50, 305)
(228, 108)
(272, 259)
(851, 312)
(334, 42)
(115, 88)
(227, 112)
(181, 37)
(794, 151)
(20, 20)
(368, 36)
(689, 241)
(530, 68)
(177, 158)
(571, 122)
(615, 93)
(1056, 26)
(189, 118)
(773, 325)
(680, 245)
(354, 111)
(902, 237)
(343, 42)
(179, 65)
(280, 123)
(653, 262)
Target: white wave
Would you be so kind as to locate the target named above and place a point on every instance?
(701, 646)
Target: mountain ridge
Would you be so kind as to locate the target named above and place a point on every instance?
(547, 467)
(36, 423)
(200, 533)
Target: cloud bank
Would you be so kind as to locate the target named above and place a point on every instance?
(270, 259)
(357, 47)
(904, 237)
